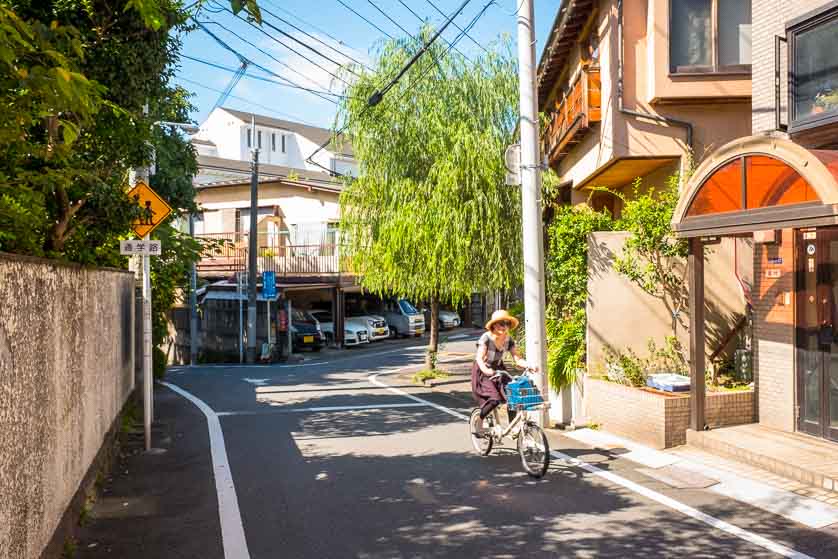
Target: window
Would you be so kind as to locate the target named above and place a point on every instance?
(709, 36)
(273, 141)
(813, 68)
(249, 141)
(283, 143)
(259, 139)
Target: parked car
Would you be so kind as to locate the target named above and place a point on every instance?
(354, 330)
(403, 318)
(305, 331)
(377, 326)
(447, 319)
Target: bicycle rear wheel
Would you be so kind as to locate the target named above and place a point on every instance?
(481, 432)
(534, 450)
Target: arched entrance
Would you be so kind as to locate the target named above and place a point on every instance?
(787, 197)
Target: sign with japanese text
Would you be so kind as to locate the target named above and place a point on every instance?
(153, 209)
(269, 285)
(143, 248)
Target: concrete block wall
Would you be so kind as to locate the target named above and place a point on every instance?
(774, 331)
(769, 18)
(66, 370)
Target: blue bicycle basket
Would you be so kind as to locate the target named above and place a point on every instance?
(522, 394)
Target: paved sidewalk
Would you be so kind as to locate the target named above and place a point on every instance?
(158, 505)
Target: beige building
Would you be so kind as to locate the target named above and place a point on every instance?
(623, 100)
(641, 90)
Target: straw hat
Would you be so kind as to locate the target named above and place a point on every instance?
(500, 315)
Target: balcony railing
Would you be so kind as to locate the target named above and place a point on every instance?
(573, 116)
(228, 254)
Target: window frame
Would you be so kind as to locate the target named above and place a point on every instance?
(715, 68)
(807, 22)
(249, 138)
(273, 141)
(258, 139)
(282, 142)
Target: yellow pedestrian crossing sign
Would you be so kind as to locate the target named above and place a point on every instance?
(153, 209)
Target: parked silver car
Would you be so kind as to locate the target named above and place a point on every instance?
(355, 331)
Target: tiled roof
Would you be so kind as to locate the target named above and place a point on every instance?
(217, 171)
(317, 135)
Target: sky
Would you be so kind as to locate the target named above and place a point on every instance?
(337, 33)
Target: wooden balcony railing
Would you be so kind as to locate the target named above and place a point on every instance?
(573, 116)
(228, 254)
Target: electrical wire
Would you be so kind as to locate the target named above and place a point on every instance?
(423, 20)
(246, 100)
(345, 5)
(458, 27)
(316, 28)
(391, 20)
(237, 76)
(266, 53)
(292, 49)
(320, 94)
(382, 92)
(324, 43)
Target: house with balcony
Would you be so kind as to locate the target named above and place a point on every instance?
(298, 211)
(640, 91)
(778, 187)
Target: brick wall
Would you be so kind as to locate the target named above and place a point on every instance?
(769, 19)
(774, 332)
(656, 419)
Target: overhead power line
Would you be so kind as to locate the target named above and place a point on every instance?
(324, 43)
(391, 20)
(376, 97)
(292, 49)
(246, 100)
(423, 20)
(263, 51)
(316, 28)
(458, 27)
(320, 94)
(345, 5)
(380, 93)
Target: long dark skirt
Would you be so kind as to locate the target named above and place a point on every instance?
(487, 392)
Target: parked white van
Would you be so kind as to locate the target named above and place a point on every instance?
(403, 318)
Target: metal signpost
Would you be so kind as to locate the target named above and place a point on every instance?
(269, 292)
(153, 211)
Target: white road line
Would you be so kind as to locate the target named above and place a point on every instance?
(187, 368)
(374, 380)
(639, 489)
(320, 409)
(232, 529)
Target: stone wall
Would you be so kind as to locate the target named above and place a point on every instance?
(657, 419)
(66, 370)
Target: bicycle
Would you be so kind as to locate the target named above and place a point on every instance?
(532, 441)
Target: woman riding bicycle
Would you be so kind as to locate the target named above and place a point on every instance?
(486, 383)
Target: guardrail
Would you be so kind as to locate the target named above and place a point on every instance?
(229, 253)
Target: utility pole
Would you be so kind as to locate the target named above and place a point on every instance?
(534, 300)
(193, 303)
(252, 245)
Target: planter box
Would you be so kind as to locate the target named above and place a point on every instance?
(659, 419)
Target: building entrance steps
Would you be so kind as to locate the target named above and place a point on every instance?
(791, 455)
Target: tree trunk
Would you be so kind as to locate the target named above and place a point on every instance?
(433, 345)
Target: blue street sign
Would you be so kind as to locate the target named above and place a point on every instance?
(269, 285)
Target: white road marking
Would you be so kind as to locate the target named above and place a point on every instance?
(687, 510)
(257, 381)
(232, 529)
(320, 409)
(374, 380)
(459, 336)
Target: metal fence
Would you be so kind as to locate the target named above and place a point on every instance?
(227, 252)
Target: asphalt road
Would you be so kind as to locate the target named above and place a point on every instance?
(327, 462)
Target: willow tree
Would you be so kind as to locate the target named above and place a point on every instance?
(429, 216)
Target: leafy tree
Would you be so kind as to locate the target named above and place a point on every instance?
(430, 217)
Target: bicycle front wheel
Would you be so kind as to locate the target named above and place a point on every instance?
(534, 450)
(481, 433)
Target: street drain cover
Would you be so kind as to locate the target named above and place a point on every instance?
(679, 478)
